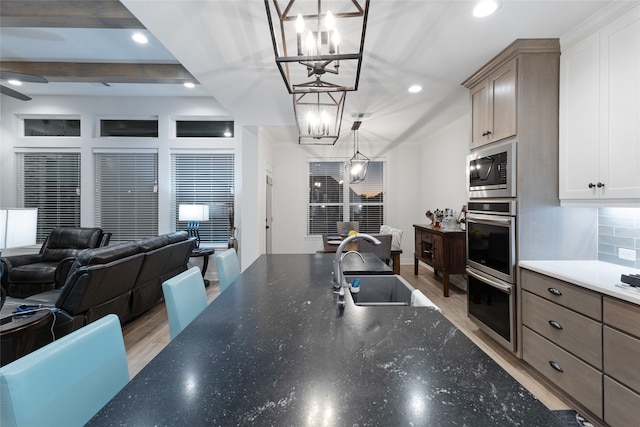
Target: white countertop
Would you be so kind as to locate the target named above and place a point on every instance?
(595, 275)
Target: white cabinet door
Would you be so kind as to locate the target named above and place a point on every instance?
(600, 114)
(620, 107)
(579, 119)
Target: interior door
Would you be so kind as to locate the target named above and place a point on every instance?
(268, 214)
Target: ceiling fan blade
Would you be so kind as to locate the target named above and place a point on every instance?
(14, 94)
(30, 78)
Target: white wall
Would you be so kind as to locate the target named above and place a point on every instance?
(443, 177)
(421, 175)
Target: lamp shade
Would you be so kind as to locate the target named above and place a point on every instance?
(193, 212)
(18, 227)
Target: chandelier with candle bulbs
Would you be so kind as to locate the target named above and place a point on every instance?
(318, 116)
(312, 41)
(318, 50)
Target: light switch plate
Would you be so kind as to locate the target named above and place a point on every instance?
(628, 254)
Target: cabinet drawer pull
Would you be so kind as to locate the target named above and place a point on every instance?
(555, 324)
(591, 185)
(555, 291)
(600, 185)
(486, 133)
(555, 366)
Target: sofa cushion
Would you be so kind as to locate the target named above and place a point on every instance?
(39, 272)
(65, 242)
(152, 243)
(177, 236)
(106, 254)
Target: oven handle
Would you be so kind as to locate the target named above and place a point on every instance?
(504, 288)
(490, 219)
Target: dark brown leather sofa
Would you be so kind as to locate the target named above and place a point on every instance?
(26, 275)
(124, 279)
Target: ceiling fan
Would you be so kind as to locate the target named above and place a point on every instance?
(22, 77)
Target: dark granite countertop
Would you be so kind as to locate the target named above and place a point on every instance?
(274, 350)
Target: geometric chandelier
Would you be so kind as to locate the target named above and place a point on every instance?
(357, 166)
(318, 45)
(318, 116)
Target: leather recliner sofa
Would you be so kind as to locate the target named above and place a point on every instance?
(26, 275)
(124, 279)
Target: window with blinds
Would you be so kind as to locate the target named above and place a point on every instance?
(204, 179)
(126, 194)
(50, 182)
(327, 188)
(326, 197)
(366, 199)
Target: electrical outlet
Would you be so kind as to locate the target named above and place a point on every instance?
(628, 254)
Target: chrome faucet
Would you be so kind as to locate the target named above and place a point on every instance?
(338, 276)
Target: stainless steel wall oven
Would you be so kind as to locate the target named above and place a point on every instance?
(491, 259)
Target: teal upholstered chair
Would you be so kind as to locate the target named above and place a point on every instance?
(228, 268)
(67, 382)
(185, 298)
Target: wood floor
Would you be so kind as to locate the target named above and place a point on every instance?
(146, 336)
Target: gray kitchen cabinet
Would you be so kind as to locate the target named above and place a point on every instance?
(599, 111)
(493, 106)
(515, 95)
(575, 377)
(566, 328)
(621, 344)
(562, 336)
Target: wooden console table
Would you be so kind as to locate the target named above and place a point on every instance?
(443, 250)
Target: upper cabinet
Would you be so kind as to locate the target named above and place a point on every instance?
(600, 113)
(493, 106)
(514, 93)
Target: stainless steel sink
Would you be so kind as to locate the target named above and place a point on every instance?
(382, 290)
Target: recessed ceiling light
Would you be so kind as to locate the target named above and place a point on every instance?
(485, 8)
(415, 88)
(139, 38)
(14, 82)
(189, 85)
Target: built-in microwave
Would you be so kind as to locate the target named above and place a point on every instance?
(491, 171)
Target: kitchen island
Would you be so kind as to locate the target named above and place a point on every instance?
(274, 349)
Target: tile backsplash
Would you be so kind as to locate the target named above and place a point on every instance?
(618, 228)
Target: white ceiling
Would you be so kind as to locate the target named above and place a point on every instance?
(226, 46)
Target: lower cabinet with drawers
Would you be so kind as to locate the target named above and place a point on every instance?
(621, 344)
(586, 343)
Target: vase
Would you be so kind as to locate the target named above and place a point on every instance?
(233, 242)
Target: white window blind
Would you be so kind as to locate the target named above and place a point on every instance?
(126, 199)
(326, 198)
(366, 199)
(50, 182)
(204, 179)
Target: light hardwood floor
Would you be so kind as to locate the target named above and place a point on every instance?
(146, 336)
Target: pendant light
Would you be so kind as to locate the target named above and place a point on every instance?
(357, 167)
